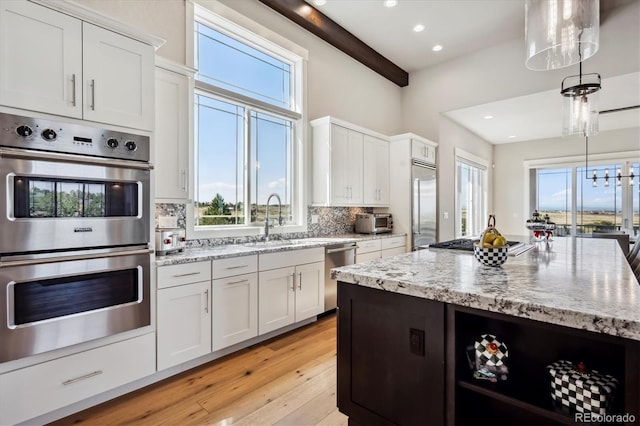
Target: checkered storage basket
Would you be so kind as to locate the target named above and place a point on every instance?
(494, 256)
(581, 392)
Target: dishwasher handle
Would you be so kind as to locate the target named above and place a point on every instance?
(338, 250)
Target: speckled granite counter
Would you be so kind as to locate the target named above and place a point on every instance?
(234, 250)
(574, 282)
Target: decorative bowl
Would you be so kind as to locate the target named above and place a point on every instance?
(491, 256)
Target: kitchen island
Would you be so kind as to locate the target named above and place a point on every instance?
(405, 325)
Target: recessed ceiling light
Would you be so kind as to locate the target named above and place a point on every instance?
(390, 3)
(320, 2)
(488, 117)
(436, 48)
(512, 136)
(418, 28)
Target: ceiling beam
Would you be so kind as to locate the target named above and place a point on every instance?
(324, 27)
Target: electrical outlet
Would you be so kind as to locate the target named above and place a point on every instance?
(445, 215)
(416, 341)
(167, 221)
(314, 218)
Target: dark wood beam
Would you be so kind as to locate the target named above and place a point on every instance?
(324, 27)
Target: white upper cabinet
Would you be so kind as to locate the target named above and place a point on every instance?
(53, 63)
(172, 132)
(423, 151)
(343, 165)
(376, 171)
(40, 59)
(117, 79)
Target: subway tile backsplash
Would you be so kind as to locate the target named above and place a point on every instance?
(331, 221)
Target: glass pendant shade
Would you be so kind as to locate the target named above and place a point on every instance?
(580, 94)
(560, 33)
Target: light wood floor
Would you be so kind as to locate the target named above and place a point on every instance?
(288, 380)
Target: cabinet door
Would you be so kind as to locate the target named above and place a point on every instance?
(277, 299)
(184, 323)
(376, 171)
(339, 165)
(354, 165)
(309, 288)
(118, 79)
(40, 59)
(171, 135)
(235, 310)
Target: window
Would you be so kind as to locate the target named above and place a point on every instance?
(471, 194)
(577, 206)
(246, 117)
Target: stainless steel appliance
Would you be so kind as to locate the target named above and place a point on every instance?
(423, 205)
(335, 255)
(170, 241)
(75, 226)
(373, 223)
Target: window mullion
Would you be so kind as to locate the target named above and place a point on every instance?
(574, 201)
(247, 166)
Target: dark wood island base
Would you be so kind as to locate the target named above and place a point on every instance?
(403, 360)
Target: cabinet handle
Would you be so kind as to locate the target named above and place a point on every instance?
(183, 173)
(93, 95)
(300, 281)
(293, 279)
(238, 282)
(206, 301)
(86, 376)
(186, 275)
(73, 89)
(237, 267)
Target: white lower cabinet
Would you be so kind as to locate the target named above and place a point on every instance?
(290, 287)
(393, 246)
(33, 391)
(184, 313)
(235, 310)
(384, 247)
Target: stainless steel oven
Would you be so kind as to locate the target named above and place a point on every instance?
(75, 252)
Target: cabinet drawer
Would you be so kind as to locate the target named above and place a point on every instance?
(39, 389)
(291, 258)
(368, 246)
(393, 251)
(173, 275)
(394, 242)
(234, 266)
(365, 257)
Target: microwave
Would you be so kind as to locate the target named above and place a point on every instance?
(373, 223)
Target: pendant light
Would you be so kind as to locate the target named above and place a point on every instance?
(580, 104)
(560, 33)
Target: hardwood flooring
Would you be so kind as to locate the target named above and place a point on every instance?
(287, 380)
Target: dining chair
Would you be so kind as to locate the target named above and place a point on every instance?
(633, 253)
(623, 239)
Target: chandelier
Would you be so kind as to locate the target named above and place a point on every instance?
(606, 176)
(560, 33)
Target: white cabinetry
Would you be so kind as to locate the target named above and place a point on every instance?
(33, 391)
(234, 300)
(54, 63)
(349, 165)
(376, 171)
(382, 247)
(184, 312)
(172, 131)
(290, 287)
(423, 150)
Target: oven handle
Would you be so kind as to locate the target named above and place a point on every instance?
(68, 258)
(44, 155)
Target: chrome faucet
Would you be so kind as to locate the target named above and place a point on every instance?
(266, 220)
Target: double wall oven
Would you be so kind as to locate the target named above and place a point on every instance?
(74, 234)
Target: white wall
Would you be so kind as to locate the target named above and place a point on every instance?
(509, 173)
(499, 73)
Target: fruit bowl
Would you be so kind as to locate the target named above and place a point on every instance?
(490, 256)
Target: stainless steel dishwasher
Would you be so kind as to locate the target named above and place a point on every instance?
(335, 255)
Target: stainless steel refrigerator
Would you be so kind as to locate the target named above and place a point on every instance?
(423, 205)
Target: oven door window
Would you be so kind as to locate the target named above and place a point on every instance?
(381, 222)
(48, 198)
(45, 299)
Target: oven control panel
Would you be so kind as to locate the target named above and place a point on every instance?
(45, 135)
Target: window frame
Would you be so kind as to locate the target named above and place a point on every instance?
(467, 158)
(575, 162)
(235, 25)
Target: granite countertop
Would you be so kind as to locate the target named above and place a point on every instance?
(583, 283)
(246, 249)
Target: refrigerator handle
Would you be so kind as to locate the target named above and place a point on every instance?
(419, 207)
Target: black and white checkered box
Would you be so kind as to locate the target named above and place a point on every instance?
(490, 351)
(581, 392)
